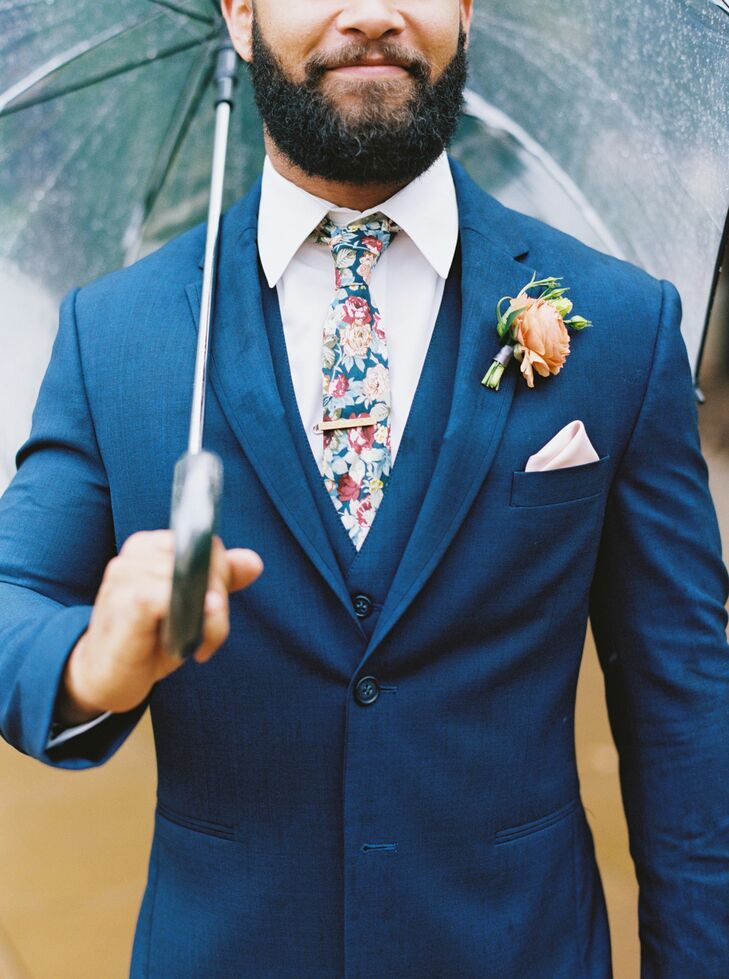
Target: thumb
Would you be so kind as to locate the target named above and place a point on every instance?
(244, 566)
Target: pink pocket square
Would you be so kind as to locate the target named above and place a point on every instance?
(569, 447)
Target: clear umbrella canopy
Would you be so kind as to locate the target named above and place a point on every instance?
(609, 120)
(106, 131)
(626, 106)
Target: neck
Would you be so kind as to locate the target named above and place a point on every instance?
(356, 197)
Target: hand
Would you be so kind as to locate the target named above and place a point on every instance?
(120, 657)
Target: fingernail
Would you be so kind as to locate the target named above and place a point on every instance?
(213, 601)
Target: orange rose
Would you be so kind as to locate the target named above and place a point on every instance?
(543, 342)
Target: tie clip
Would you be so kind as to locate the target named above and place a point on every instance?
(332, 426)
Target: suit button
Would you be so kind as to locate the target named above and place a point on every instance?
(367, 691)
(362, 606)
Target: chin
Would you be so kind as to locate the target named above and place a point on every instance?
(365, 101)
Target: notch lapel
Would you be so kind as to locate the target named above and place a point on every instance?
(477, 416)
(241, 373)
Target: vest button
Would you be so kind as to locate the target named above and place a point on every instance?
(367, 691)
(362, 606)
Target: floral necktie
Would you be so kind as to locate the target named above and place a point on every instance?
(356, 458)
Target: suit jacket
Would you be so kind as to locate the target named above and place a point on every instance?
(438, 831)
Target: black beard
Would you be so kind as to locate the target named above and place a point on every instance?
(382, 145)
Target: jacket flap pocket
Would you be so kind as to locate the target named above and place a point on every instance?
(552, 486)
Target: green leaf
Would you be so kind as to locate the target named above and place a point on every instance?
(504, 325)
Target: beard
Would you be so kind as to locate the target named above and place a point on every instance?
(381, 138)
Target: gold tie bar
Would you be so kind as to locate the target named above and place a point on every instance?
(331, 426)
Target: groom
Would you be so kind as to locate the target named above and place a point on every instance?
(374, 775)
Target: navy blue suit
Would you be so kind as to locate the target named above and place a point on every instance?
(437, 831)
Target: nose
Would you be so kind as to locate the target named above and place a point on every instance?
(372, 19)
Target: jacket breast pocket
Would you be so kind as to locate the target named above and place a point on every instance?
(551, 487)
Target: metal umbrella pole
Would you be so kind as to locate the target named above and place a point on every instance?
(198, 478)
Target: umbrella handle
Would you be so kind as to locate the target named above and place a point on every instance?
(196, 492)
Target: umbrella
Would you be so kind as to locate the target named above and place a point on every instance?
(624, 110)
(608, 120)
(197, 482)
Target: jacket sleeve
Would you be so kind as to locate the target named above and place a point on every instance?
(659, 620)
(56, 537)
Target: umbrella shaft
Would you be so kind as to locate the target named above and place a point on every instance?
(222, 123)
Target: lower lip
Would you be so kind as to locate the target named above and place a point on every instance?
(369, 71)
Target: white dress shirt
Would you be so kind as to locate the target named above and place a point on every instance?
(407, 287)
(407, 283)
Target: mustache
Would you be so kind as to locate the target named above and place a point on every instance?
(355, 53)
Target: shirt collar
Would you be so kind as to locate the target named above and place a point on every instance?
(425, 209)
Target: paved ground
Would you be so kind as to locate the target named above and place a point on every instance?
(73, 846)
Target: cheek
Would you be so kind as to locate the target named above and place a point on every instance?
(293, 31)
(433, 28)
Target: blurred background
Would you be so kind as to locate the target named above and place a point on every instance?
(607, 119)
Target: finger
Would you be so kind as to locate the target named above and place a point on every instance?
(167, 662)
(160, 565)
(244, 567)
(145, 600)
(219, 571)
(216, 625)
(147, 542)
(219, 576)
(139, 563)
(229, 571)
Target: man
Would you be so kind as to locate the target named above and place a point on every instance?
(374, 776)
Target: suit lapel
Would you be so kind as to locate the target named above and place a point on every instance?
(241, 373)
(477, 416)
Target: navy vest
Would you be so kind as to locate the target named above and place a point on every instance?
(371, 570)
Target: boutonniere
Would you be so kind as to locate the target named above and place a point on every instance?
(536, 329)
